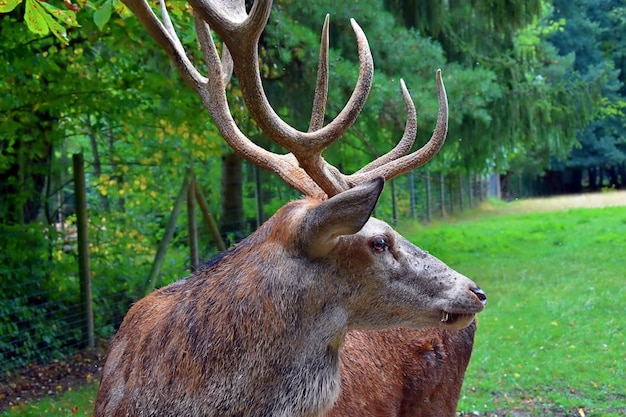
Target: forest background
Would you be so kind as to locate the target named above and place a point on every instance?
(536, 92)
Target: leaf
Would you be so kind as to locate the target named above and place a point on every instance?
(57, 29)
(35, 18)
(7, 5)
(66, 17)
(102, 16)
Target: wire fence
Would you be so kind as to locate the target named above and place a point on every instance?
(42, 309)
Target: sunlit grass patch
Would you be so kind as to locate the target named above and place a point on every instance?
(552, 336)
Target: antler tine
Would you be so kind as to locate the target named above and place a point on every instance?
(212, 90)
(321, 87)
(227, 65)
(421, 156)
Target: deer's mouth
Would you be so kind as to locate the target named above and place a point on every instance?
(456, 320)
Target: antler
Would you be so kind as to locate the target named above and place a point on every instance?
(304, 167)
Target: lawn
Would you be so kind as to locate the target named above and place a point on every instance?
(551, 341)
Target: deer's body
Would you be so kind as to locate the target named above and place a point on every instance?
(403, 372)
(257, 332)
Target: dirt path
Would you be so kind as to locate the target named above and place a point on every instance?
(590, 200)
(36, 381)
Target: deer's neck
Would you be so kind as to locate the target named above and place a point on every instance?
(275, 331)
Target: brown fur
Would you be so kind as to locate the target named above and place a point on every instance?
(257, 331)
(403, 372)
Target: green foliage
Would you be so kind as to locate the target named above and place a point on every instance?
(590, 34)
(138, 127)
(549, 338)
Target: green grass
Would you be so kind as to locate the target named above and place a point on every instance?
(551, 340)
(78, 402)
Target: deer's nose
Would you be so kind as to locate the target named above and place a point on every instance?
(480, 294)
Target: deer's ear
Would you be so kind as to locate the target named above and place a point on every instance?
(344, 214)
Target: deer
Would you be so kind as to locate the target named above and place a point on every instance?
(258, 330)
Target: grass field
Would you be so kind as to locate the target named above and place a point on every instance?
(551, 341)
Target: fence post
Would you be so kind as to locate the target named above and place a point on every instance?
(84, 268)
(169, 232)
(429, 201)
(194, 259)
(208, 218)
(470, 189)
(442, 193)
(451, 193)
(413, 195)
(461, 189)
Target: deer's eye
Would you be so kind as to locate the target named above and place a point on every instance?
(380, 244)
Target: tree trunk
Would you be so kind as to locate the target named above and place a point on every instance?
(97, 165)
(84, 267)
(593, 178)
(209, 220)
(622, 173)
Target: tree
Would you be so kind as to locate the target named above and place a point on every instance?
(128, 111)
(594, 34)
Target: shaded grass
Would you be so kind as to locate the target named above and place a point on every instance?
(76, 402)
(552, 337)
